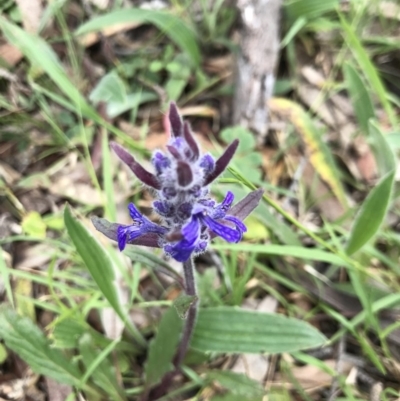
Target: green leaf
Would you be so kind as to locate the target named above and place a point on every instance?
(233, 330)
(309, 8)
(368, 68)
(33, 225)
(246, 138)
(22, 336)
(67, 332)
(3, 354)
(131, 102)
(40, 54)
(359, 95)
(99, 264)
(5, 276)
(172, 25)
(384, 156)
(99, 367)
(163, 347)
(371, 214)
(237, 384)
(110, 88)
(183, 303)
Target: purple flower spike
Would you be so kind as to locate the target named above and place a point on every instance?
(141, 225)
(141, 173)
(222, 163)
(187, 134)
(175, 120)
(190, 218)
(184, 173)
(207, 163)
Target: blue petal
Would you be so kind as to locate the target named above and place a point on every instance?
(160, 162)
(163, 208)
(227, 202)
(227, 233)
(180, 255)
(238, 223)
(221, 209)
(182, 250)
(129, 233)
(191, 230)
(135, 214)
(122, 237)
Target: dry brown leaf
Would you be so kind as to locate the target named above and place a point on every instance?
(22, 389)
(389, 9)
(31, 13)
(112, 323)
(93, 37)
(312, 97)
(312, 378)
(313, 76)
(57, 391)
(35, 256)
(10, 54)
(326, 202)
(364, 160)
(8, 174)
(102, 4)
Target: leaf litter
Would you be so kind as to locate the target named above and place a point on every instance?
(38, 175)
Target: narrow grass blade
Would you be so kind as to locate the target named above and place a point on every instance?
(360, 97)
(173, 26)
(41, 55)
(99, 264)
(23, 337)
(110, 208)
(371, 214)
(319, 154)
(5, 275)
(163, 347)
(309, 8)
(233, 330)
(283, 250)
(99, 367)
(368, 68)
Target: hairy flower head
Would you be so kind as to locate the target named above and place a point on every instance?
(181, 181)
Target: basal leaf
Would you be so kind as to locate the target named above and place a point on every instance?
(172, 25)
(163, 347)
(371, 214)
(99, 264)
(102, 372)
(110, 88)
(23, 337)
(233, 330)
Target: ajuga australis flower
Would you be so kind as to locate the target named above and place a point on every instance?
(190, 218)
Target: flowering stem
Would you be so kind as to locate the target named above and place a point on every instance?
(190, 288)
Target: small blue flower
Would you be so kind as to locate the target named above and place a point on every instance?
(141, 225)
(190, 217)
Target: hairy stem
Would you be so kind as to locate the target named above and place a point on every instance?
(190, 288)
